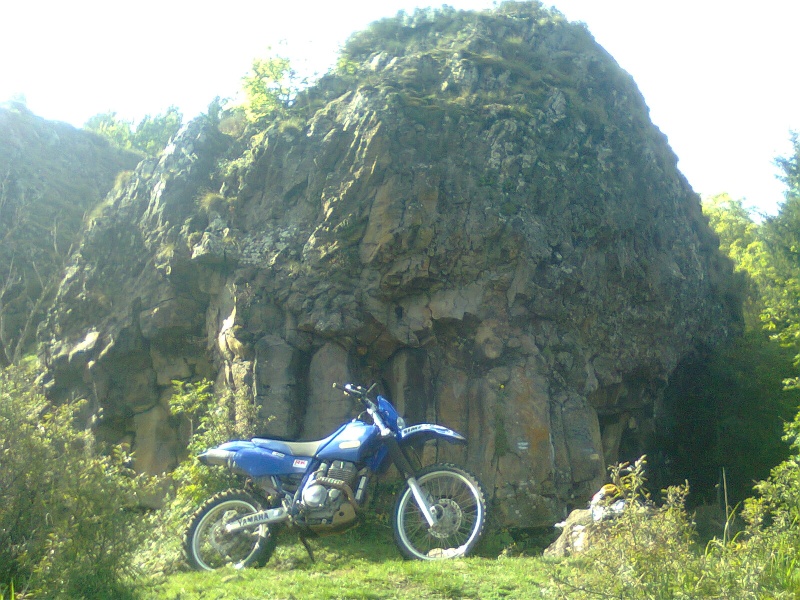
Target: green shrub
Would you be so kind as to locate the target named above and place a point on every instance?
(651, 552)
(774, 516)
(69, 518)
(645, 552)
(212, 420)
(150, 136)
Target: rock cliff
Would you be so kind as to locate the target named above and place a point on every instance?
(474, 210)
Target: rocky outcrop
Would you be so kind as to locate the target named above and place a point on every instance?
(476, 212)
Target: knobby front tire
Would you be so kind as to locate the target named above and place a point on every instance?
(208, 546)
(460, 506)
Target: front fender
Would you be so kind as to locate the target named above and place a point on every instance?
(428, 431)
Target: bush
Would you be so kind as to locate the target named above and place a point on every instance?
(774, 517)
(69, 518)
(651, 552)
(645, 552)
(213, 420)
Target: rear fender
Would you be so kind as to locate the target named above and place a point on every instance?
(247, 458)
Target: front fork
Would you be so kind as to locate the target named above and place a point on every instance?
(404, 466)
(422, 501)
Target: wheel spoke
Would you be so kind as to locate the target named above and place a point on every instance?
(458, 503)
(210, 545)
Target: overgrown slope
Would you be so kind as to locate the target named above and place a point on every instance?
(51, 177)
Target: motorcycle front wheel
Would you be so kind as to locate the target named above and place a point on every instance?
(460, 508)
(207, 544)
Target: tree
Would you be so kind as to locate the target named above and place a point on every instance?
(270, 87)
(770, 255)
(740, 239)
(781, 237)
(740, 393)
(735, 227)
(791, 169)
(111, 127)
(150, 136)
(154, 133)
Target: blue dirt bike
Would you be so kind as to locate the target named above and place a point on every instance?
(321, 487)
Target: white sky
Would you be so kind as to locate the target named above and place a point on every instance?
(720, 76)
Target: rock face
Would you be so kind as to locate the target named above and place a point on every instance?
(476, 213)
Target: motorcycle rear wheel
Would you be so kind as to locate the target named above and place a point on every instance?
(460, 506)
(208, 546)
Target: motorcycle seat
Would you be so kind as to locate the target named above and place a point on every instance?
(293, 448)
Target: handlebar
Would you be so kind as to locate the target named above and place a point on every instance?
(356, 391)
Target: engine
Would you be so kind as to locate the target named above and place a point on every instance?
(328, 498)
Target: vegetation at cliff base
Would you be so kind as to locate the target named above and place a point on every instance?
(70, 513)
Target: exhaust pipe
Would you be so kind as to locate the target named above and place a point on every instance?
(270, 516)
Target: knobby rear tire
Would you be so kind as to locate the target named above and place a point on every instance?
(460, 504)
(206, 544)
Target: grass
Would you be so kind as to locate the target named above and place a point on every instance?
(647, 552)
(363, 579)
(360, 564)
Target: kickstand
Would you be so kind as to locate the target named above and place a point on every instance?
(308, 548)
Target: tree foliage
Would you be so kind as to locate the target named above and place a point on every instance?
(744, 394)
(769, 253)
(781, 235)
(150, 136)
(270, 87)
(69, 517)
(740, 238)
